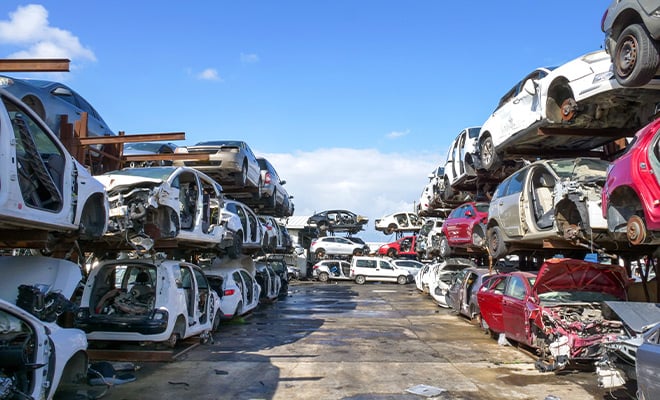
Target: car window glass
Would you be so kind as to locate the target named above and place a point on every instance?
(515, 288)
(366, 263)
(202, 283)
(385, 265)
(516, 183)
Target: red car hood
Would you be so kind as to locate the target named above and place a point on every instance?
(565, 274)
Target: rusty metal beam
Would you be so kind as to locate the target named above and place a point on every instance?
(136, 138)
(35, 65)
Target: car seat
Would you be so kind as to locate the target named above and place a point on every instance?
(543, 202)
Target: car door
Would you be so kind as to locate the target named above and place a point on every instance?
(490, 303)
(386, 271)
(513, 309)
(509, 205)
(451, 224)
(250, 294)
(464, 224)
(203, 307)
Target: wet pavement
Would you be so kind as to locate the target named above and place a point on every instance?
(345, 341)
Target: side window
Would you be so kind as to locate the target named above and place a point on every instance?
(385, 265)
(515, 288)
(366, 264)
(516, 183)
(501, 189)
(202, 283)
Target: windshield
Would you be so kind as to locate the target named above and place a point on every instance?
(161, 173)
(580, 168)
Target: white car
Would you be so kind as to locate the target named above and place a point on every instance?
(276, 238)
(573, 108)
(268, 280)
(378, 269)
(398, 222)
(143, 300)
(326, 270)
(38, 357)
(413, 266)
(459, 172)
(336, 245)
(42, 187)
(251, 231)
(236, 284)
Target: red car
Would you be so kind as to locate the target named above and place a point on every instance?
(404, 247)
(557, 310)
(632, 190)
(464, 228)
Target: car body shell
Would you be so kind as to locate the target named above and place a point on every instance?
(326, 270)
(556, 200)
(378, 269)
(231, 163)
(235, 282)
(581, 95)
(51, 100)
(404, 247)
(398, 222)
(59, 356)
(647, 365)
(459, 171)
(275, 199)
(168, 202)
(252, 232)
(336, 245)
(278, 263)
(413, 266)
(464, 229)
(632, 190)
(177, 302)
(556, 310)
(269, 281)
(441, 277)
(278, 238)
(338, 221)
(430, 274)
(148, 149)
(462, 293)
(42, 186)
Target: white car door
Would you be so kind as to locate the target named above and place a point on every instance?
(509, 205)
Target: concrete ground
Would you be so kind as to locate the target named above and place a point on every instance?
(345, 341)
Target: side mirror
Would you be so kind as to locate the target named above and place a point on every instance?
(282, 182)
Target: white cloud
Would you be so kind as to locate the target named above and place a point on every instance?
(397, 134)
(209, 74)
(28, 26)
(366, 181)
(249, 58)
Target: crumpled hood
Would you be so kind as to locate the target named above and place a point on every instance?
(565, 274)
(112, 181)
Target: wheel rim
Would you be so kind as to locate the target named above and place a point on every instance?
(636, 230)
(323, 277)
(487, 152)
(626, 56)
(444, 246)
(493, 244)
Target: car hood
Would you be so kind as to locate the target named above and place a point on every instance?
(49, 274)
(111, 181)
(556, 275)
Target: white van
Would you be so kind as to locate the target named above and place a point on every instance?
(365, 269)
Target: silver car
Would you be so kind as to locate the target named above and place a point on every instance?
(231, 163)
(549, 200)
(274, 197)
(50, 100)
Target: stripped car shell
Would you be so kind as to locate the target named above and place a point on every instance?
(154, 203)
(557, 311)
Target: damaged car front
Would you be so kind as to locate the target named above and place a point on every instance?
(148, 204)
(565, 308)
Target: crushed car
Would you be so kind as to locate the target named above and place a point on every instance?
(556, 311)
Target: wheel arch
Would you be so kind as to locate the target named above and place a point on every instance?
(94, 216)
(625, 202)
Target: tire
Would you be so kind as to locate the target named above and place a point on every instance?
(237, 246)
(216, 321)
(487, 154)
(448, 192)
(402, 280)
(241, 180)
(323, 226)
(390, 229)
(323, 277)
(358, 252)
(391, 253)
(636, 56)
(319, 254)
(360, 280)
(445, 249)
(173, 340)
(496, 245)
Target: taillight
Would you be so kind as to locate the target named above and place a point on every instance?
(229, 292)
(315, 267)
(313, 242)
(267, 178)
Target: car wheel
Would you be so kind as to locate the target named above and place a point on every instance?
(237, 245)
(242, 179)
(360, 279)
(319, 253)
(358, 252)
(390, 229)
(636, 56)
(496, 245)
(636, 230)
(402, 280)
(323, 277)
(445, 250)
(391, 253)
(448, 193)
(487, 153)
(216, 321)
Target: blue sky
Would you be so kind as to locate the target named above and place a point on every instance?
(354, 102)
